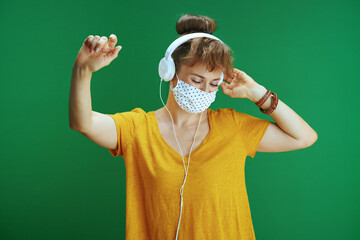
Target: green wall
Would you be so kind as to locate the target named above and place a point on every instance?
(57, 184)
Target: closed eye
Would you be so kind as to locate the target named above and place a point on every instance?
(210, 84)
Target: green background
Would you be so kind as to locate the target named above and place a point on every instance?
(57, 184)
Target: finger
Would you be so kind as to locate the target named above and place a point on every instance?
(224, 88)
(231, 78)
(115, 52)
(235, 76)
(99, 45)
(88, 40)
(226, 78)
(94, 42)
(239, 74)
(232, 75)
(112, 41)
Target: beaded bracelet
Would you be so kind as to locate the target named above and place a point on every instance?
(274, 102)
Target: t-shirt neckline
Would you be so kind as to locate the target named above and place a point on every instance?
(158, 133)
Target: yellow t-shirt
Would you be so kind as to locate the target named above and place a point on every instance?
(215, 201)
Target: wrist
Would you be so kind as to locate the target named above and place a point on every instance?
(81, 73)
(263, 98)
(256, 92)
(80, 67)
(81, 70)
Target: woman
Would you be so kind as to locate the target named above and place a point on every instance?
(157, 145)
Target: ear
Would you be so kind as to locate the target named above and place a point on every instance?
(173, 82)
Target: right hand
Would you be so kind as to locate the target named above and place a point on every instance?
(92, 60)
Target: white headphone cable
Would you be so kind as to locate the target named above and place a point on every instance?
(186, 169)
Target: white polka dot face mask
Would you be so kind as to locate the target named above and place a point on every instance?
(190, 98)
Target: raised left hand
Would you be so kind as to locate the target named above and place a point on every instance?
(239, 84)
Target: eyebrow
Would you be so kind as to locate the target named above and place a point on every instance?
(202, 76)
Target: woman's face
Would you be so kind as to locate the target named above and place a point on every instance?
(199, 77)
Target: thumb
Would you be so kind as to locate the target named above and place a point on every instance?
(115, 52)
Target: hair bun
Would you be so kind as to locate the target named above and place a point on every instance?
(190, 23)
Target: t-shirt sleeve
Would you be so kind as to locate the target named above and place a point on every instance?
(252, 129)
(125, 126)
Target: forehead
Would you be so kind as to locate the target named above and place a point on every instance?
(200, 69)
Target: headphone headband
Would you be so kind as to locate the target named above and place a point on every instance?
(184, 38)
(167, 66)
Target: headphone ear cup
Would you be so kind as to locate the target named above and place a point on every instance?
(166, 69)
(163, 69)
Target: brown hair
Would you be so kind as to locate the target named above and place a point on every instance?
(212, 53)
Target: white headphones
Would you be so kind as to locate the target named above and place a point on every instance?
(167, 65)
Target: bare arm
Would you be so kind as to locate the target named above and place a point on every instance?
(80, 99)
(98, 127)
(290, 132)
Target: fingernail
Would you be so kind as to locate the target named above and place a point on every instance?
(97, 49)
